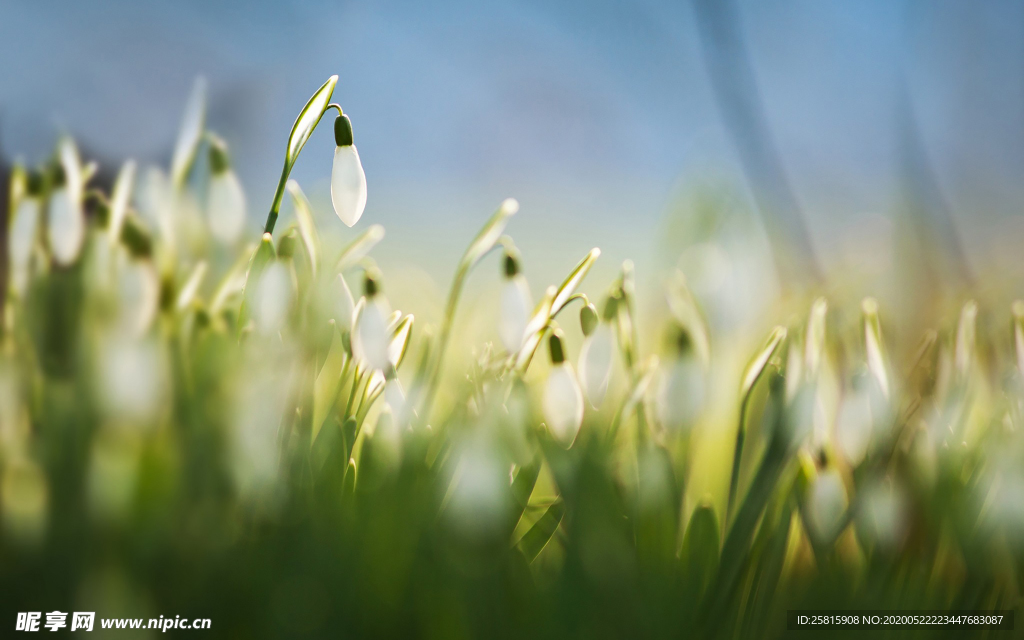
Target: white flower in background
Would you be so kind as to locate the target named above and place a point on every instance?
(23, 232)
(133, 379)
(370, 332)
(272, 299)
(348, 182)
(225, 203)
(853, 425)
(516, 305)
(66, 220)
(882, 514)
(345, 306)
(479, 497)
(681, 394)
(826, 504)
(597, 352)
(563, 399)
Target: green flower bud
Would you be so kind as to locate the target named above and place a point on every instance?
(343, 131)
(555, 344)
(588, 319)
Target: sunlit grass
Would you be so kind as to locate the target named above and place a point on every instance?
(244, 429)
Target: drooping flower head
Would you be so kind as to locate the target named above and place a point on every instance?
(515, 304)
(348, 182)
(563, 400)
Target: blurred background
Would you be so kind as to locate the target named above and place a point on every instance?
(601, 117)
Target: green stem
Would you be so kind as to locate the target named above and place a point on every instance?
(737, 458)
(275, 208)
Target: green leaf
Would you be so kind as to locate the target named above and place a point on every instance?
(814, 345)
(874, 346)
(522, 487)
(120, 197)
(399, 344)
(191, 286)
(700, 551)
(359, 248)
(572, 281)
(489, 234)
(328, 381)
(193, 122)
(304, 216)
(348, 490)
(757, 366)
(307, 120)
(534, 541)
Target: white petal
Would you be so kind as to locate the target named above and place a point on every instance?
(563, 404)
(681, 396)
(133, 379)
(348, 185)
(23, 237)
(226, 207)
(515, 312)
(596, 363)
(272, 299)
(826, 505)
(853, 426)
(371, 334)
(66, 226)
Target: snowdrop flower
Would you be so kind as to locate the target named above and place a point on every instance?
(597, 351)
(24, 229)
(826, 503)
(681, 395)
(272, 300)
(854, 424)
(563, 400)
(225, 203)
(348, 182)
(66, 228)
(394, 394)
(515, 305)
(370, 330)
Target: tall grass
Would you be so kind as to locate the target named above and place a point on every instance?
(192, 425)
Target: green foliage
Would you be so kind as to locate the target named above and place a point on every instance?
(232, 437)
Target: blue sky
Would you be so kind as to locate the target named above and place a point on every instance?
(593, 113)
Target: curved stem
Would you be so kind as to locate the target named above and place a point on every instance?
(275, 207)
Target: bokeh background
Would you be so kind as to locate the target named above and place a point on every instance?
(598, 116)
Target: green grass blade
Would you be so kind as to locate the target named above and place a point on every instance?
(534, 541)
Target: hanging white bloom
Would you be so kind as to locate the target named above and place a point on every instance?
(683, 389)
(272, 299)
(66, 224)
(826, 504)
(348, 182)
(225, 199)
(596, 354)
(23, 238)
(370, 332)
(563, 400)
(854, 425)
(132, 377)
(516, 305)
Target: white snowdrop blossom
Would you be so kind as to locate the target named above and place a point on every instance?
(225, 206)
(66, 223)
(348, 182)
(826, 504)
(272, 299)
(23, 238)
(683, 388)
(516, 305)
(563, 399)
(370, 331)
(596, 363)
